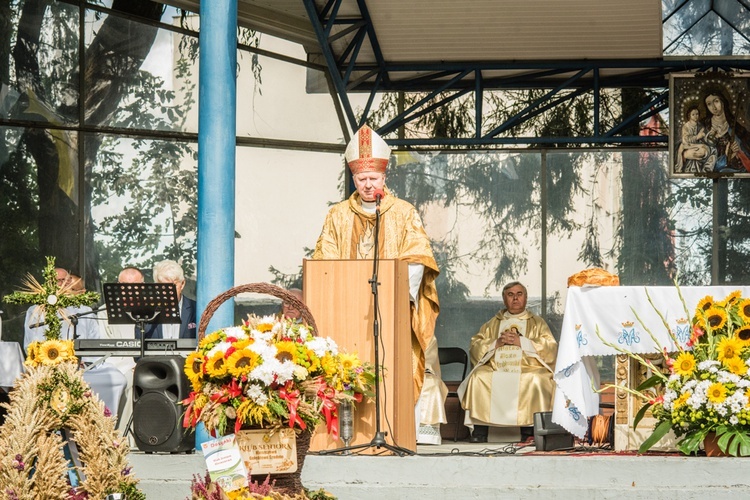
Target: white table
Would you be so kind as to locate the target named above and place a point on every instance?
(613, 310)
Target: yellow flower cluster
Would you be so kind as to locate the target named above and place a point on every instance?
(708, 389)
(50, 352)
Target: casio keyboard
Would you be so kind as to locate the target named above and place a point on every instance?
(132, 347)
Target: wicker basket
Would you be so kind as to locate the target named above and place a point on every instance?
(290, 484)
(266, 288)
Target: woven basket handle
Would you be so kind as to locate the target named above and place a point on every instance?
(266, 288)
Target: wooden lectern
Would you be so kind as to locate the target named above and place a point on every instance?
(339, 296)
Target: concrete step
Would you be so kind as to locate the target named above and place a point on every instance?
(464, 471)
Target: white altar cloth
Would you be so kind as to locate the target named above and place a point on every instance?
(613, 310)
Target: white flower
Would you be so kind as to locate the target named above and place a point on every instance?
(734, 420)
(266, 372)
(236, 332)
(263, 336)
(263, 349)
(285, 371)
(300, 372)
(318, 345)
(255, 392)
(219, 347)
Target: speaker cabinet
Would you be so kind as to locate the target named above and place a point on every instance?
(159, 384)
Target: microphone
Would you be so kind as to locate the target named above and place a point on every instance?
(379, 195)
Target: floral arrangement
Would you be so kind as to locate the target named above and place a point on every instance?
(53, 408)
(707, 387)
(271, 372)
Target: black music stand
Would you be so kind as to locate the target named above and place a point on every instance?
(138, 304)
(141, 303)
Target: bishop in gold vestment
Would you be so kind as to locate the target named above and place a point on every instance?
(348, 233)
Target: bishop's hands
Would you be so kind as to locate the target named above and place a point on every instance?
(509, 337)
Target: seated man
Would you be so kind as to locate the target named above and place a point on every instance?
(169, 271)
(513, 357)
(103, 378)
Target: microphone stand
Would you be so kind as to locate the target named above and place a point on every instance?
(378, 441)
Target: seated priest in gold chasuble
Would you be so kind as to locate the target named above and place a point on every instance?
(513, 356)
(348, 233)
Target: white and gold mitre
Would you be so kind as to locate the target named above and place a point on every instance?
(367, 152)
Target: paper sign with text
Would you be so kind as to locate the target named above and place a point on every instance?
(268, 453)
(224, 462)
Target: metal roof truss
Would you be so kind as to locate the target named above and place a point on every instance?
(446, 81)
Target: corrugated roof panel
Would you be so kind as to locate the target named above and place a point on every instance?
(451, 30)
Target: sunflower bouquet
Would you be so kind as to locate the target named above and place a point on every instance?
(706, 388)
(271, 372)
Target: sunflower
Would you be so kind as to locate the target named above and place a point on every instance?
(216, 367)
(243, 343)
(286, 351)
(743, 309)
(715, 318)
(728, 348)
(681, 400)
(348, 362)
(717, 392)
(52, 352)
(733, 297)
(743, 334)
(194, 366)
(242, 362)
(705, 304)
(68, 349)
(736, 365)
(209, 339)
(32, 353)
(264, 326)
(685, 364)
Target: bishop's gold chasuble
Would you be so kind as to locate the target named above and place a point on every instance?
(348, 233)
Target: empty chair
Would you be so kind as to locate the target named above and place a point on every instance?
(449, 356)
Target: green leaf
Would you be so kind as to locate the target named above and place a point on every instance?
(744, 441)
(652, 381)
(691, 442)
(659, 432)
(640, 414)
(724, 442)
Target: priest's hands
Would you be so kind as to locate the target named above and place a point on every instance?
(509, 337)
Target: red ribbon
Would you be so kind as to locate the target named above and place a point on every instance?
(330, 410)
(291, 396)
(191, 414)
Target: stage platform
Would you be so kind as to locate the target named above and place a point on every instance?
(480, 471)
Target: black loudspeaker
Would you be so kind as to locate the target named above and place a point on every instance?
(159, 384)
(549, 436)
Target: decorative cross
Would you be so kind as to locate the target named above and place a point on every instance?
(51, 297)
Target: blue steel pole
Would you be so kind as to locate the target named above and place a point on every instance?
(217, 132)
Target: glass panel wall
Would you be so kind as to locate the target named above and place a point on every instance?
(138, 75)
(39, 72)
(142, 204)
(482, 211)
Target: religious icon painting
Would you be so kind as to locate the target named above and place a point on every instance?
(709, 125)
